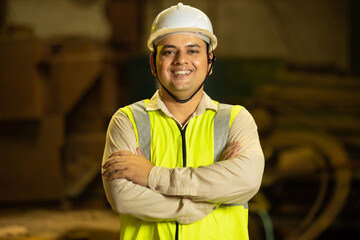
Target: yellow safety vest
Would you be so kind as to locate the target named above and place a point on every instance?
(199, 144)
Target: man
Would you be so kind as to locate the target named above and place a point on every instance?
(181, 166)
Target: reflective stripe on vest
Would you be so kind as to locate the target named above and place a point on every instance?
(143, 127)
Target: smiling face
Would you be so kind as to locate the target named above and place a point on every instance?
(181, 64)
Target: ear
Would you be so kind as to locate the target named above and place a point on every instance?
(210, 62)
(152, 64)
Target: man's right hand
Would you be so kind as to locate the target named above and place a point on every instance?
(124, 164)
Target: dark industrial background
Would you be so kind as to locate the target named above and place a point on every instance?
(67, 65)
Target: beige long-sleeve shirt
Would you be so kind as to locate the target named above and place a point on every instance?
(186, 194)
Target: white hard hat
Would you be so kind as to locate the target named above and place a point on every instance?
(182, 18)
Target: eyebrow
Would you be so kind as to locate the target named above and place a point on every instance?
(168, 46)
(193, 45)
(189, 46)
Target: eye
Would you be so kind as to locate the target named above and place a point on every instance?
(167, 52)
(193, 51)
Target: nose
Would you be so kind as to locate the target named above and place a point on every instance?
(180, 58)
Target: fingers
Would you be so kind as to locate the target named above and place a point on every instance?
(231, 154)
(139, 153)
(117, 174)
(235, 147)
(121, 153)
(115, 171)
(118, 162)
(231, 150)
(126, 165)
(118, 156)
(112, 161)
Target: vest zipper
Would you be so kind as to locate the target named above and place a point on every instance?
(177, 231)
(183, 144)
(182, 131)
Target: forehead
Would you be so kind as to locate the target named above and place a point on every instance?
(181, 40)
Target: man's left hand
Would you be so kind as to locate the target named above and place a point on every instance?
(125, 164)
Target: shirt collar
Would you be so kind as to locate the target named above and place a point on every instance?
(155, 103)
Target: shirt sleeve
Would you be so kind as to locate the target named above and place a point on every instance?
(126, 197)
(232, 181)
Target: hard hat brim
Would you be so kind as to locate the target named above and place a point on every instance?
(164, 32)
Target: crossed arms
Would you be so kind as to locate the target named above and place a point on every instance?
(133, 186)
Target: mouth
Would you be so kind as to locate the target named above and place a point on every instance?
(181, 73)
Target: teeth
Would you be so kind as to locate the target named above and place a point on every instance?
(182, 72)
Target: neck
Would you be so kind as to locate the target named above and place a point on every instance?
(181, 111)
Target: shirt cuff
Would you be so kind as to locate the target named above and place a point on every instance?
(158, 179)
